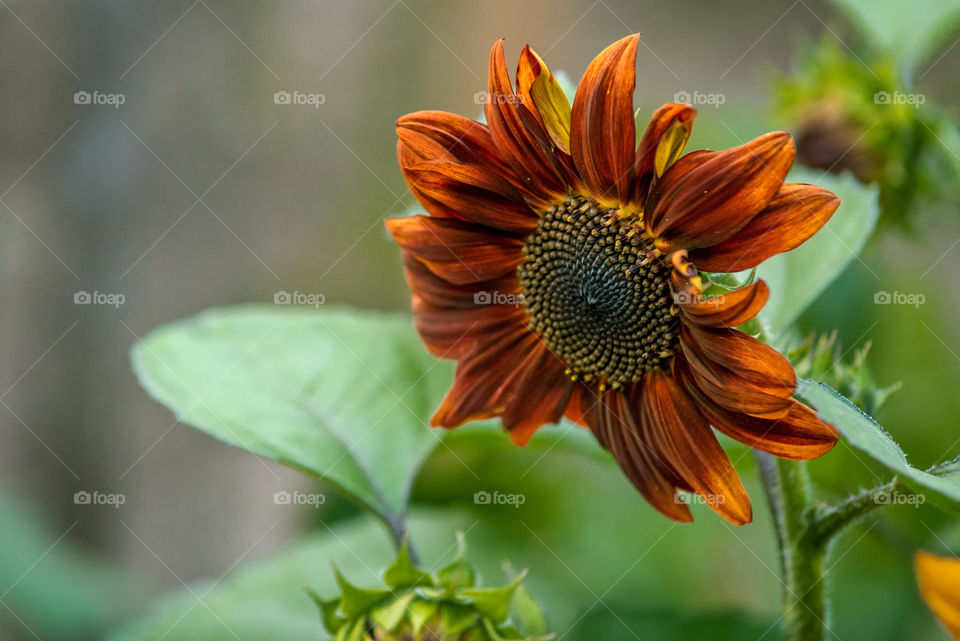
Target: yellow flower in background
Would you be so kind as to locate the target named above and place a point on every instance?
(939, 580)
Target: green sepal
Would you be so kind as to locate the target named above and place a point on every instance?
(528, 612)
(458, 574)
(456, 618)
(403, 573)
(352, 632)
(493, 603)
(355, 601)
(332, 620)
(421, 611)
(389, 615)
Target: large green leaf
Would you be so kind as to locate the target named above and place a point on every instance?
(344, 395)
(910, 31)
(863, 434)
(797, 277)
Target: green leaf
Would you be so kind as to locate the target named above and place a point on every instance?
(403, 573)
(342, 394)
(863, 434)
(797, 277)
(910, 31)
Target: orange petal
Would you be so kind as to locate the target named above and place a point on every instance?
(430, 289)
(521, 140)
(692, 448)
(542, 395)
(798, 435)
(745, 355)
(438, 135)
(486, 379)
(451, 319)
(582, 406)
(602, 130)
(795, 214)
(704, 200)
(939, 580)
(727, 310)
(619, 430)
(663, 142)
(729, 389)
(476, 194)
(455, 250)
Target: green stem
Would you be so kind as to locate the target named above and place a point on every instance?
(804, 532)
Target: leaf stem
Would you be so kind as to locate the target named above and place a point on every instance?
(397, 526)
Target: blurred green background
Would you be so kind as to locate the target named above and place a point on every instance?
(199, 190)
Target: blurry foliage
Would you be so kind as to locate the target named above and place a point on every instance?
(823, 359)
(56, 590)
(861, 111)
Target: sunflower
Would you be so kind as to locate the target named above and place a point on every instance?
(939, 581)
(559, 268)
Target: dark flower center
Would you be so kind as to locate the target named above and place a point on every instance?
(597, 294)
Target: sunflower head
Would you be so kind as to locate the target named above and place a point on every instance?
(416, 605)
(563, 266)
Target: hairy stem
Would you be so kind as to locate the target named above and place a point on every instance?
(804, 532)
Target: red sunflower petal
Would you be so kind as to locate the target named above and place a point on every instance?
(795, 214)
(729, 389)
(602, 129)
(704, 200)
(474, 193)
(619, 430)
(541, 397)
(745, 355)
(486, 379)
(692, 448)
(798, 435)
(457, 251)
(727, 310)
(522, 141)
(449, 318)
